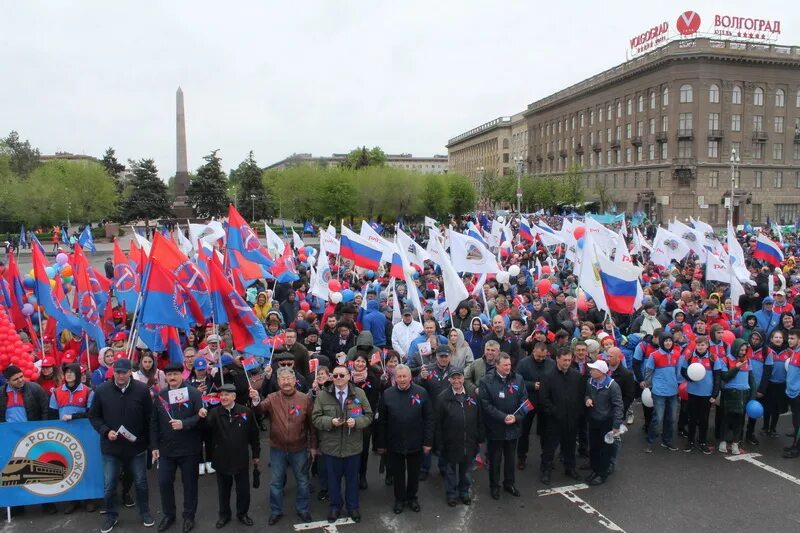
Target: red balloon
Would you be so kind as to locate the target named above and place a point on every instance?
(334, 285)
(728, 337)
(544, 286)
(546, 269)
(581, 302)
(578, 232)
(304, 305)
(683, 391)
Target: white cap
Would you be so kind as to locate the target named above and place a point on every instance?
(599, 365)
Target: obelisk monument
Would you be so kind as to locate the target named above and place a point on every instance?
(180, 207)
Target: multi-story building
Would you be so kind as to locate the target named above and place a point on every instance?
(436, 164)
(490, 149)
(656, 133)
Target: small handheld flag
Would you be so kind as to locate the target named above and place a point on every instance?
(526, 407)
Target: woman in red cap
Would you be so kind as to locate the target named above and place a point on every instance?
(49, 375)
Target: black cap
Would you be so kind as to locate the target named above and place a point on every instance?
(443, 349)
(283, 356)
(228, 387)
(408, 311)
(122, 365)
(173, 367)
(457, 371)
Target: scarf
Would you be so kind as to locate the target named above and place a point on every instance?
(359, 377)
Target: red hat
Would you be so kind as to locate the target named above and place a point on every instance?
(69, 356)
(119, 355)
(119, 336)
(48, 362)
(47, 338)
(118, 313)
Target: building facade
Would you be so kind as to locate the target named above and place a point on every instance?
(490, 149)
(436, 164)
(656, 133)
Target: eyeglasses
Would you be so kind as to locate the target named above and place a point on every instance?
(286, 363)
(339, 375)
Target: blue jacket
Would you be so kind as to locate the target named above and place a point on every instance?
(661, 370)
(375, 322)
(793, 378)
(767, 320)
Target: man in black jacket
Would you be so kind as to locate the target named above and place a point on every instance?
(433, 378)
(233, 429)
(627, 385)
(502, 394)
(121, 415)
(459, 432)
(405, 427)
(561, 401)
(508, 344)
(533, 369)
(175, 440)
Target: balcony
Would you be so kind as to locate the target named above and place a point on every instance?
(551, 155)
(539, 158)
(715, 135)
(637, 140)
(615, 143)
(797, 136)
(760, 136)
(686, 134)
(597, 147)
(562, 153)
(683, 168)
(579, 150)
(661, 136)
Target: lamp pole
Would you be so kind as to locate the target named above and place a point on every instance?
(253, 207)
(480, 170)
(734, 161)
(518, 160)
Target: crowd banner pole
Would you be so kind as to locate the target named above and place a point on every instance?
(41, 333)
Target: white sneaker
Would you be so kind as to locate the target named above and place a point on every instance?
(209, 469)
(202, 468)
(735, 448)
(723, 447)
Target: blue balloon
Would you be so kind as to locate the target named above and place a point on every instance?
(311, 251)
(370, 274)
(32, 299)
(580, 243)
(28, 282)
(754, 409)
(51, 272)
(348, 295)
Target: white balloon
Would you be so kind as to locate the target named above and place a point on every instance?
(513, 270)
(311, 260)
(502, 277)
(500, 219)
(410, 270)
(647, 398)
(335, 297)
(696, 372)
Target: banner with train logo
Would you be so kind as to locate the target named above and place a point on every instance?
(50, 461)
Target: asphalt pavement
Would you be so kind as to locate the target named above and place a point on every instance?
(659, 492)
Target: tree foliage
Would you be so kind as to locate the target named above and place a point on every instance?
(145, 196)
(362, 157)
(247, 177)
(23, 158)
(114, 168)
(207, 191)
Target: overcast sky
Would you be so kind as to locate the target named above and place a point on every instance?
(307, 76)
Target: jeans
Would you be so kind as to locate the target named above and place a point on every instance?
(347, 468)
(458, 478)
(664, 412)
(167, 466)
(427, 461)
(112, 464)
(279, 462)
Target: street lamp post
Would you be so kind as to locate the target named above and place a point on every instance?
(519, 161)
(253, 207)
(480, 170)
(735, 160)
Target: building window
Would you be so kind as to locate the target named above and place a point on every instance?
(685, 121)
(628, 130)
(713, 179)
(661, 177)
(797, 99)
(625, 180)
(713, 149)
(591, 117)
(756, 212)
(651, 149)
(608, 135)
(581, 120)
(713, 121)
(685, 95)
(652, 126)
(618, 131)
(571, 123)
(736, 96)
(780, 98)
(608, 158)
(777, 151)
(665, 123)
(713, 94)
(640, 104)
(665, 97)
(647, 179)
(619, 109)
(758, 122)
(684, 149)
(653, 99)
(736, 122)
(778, 124)
(757, 179)
(640, 128)
(628, 155)
(758, 96)
(713, 213)
(614, 182)
(787, 213)
(639, 152)
(758, 151)
(600, 114)
(663, 153)
(777, 179)
(797, 179)
(796, 151)
(629, 107)
(737, 178)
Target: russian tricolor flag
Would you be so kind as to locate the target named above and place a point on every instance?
(768, 251)
(525, 230)
(355, 247)
(396, 270)
(620, 285)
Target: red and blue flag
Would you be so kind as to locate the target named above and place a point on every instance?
(88, 311)
(166, 301)
(243, 239)
(526, 407)
(525, 230)
(396, 269)
(55, 307)
(284, 270)
(185, 271)
(768, 250)
(127, 284)
(160, 338)
(359, 250)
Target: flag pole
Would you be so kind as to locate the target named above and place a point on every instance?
(134, 326)
(41, 331)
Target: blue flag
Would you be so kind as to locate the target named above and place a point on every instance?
(23, 240)
(86, 241)
(308, 227)
(64, 237)
(50, 461)
(283, 228)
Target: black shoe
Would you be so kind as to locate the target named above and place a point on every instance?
(166, 523)
(305, 517)
(223, 521)
(671, 447)
(583, 452)
(495, 493)
(689, 447)
(522, 462)
(355, 516)
(398, 507)
(322, 495)
(545, 477)
(466, 500)
(511, 489)
(127, 500)
(72, 507)
(423, 475)
(585, 466)
(49, 508)
(90, 507)
(591, 477)
(703, 447)
(333, 516)
(274, 518)
(597, 480)
(452, 502)
(389, 481)
(683, 433)
(414, 505)
(245, 519)
(572, 473)
(751, 439)
(188, 525)
(108, 525)
(792, 453)
(362, 483)
(611, 468)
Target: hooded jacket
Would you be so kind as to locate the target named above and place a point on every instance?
(747, 331)
(462, 356)
(661, 369)
(375, 322)
(767, 320)
(463, 323)
(261, 311)
(364, 342)
(475, 339)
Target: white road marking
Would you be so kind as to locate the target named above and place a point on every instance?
(568, 492)
(751, 458)
(324, 525)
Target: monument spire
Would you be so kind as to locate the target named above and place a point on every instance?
(180, 207)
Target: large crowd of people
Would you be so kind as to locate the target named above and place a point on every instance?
(355, 385)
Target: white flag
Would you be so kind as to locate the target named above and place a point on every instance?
(718, 270)
(387, 248)
(431, 223)
(184, 244)
(454, 290)
(736, 255)
(589, 274)
(143, 243)
(275, 245)
(397, 314)
(416, 254)
(468, 254)
(332, 245)
(297, 241)
(668, 247)
(411, 287)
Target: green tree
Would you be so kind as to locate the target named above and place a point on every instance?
(207, 191)
(338, 196)
(462, 195)
(247, 177)
(146, 195)
(605, 196)
(8, 194)
(23, 157)
(80, 191)
(434, 197)
(572, 187)
(114, 168)
(362, 157)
